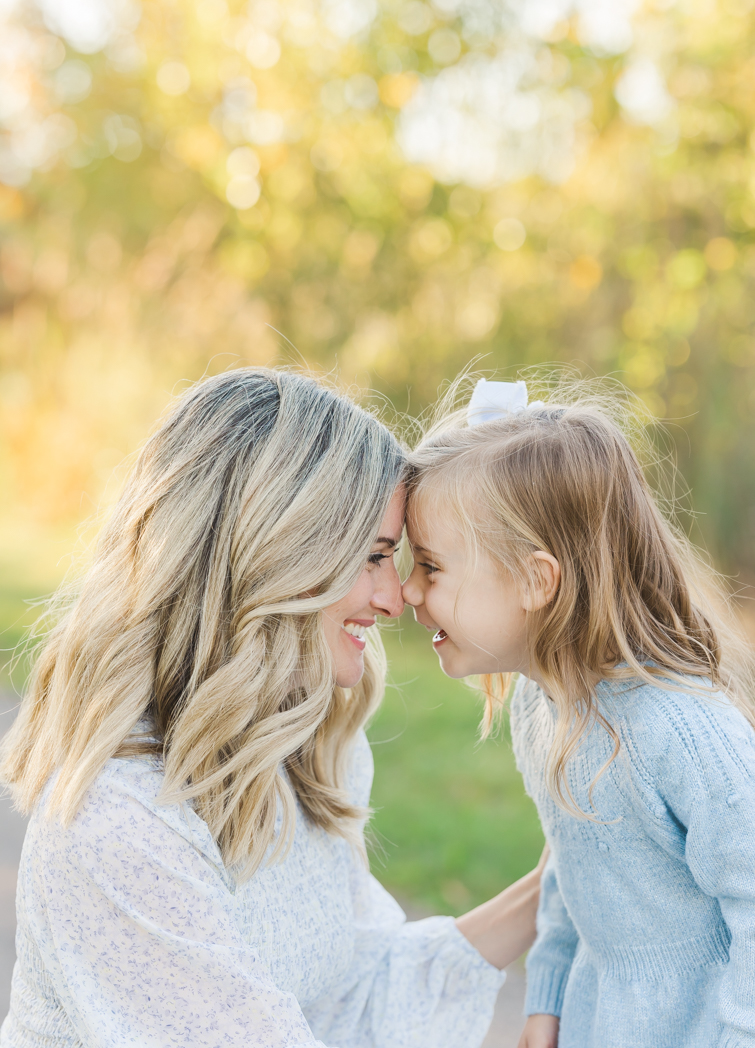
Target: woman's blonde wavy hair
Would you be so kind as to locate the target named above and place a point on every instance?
(196, 635)
(635, 599)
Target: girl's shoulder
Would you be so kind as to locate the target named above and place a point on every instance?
(664, 722)
(681, 705)
(688, 722)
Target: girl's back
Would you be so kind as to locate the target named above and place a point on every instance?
(645, 902)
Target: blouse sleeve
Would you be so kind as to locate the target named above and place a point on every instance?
(416, 984)
(137, 931)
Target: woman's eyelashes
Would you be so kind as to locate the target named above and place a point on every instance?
(430, 569)
(377, 558)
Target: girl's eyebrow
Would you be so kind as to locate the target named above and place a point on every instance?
(425, 552)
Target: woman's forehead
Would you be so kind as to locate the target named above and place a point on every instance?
(392, 523)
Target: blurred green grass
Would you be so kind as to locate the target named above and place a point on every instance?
(452, 824)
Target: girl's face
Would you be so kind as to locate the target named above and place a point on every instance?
(478, 615)
(376, 592)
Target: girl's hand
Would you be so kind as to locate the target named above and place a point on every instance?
(540, 1031)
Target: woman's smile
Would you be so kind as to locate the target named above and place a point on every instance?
(356, 631)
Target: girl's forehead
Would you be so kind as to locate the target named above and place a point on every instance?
(430, 523)
(421, 509)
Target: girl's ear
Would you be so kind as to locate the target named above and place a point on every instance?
(544, 583)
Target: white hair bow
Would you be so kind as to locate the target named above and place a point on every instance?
(494, 400)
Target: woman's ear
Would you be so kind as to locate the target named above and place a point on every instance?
(544, 583)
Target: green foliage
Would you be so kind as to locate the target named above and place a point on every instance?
(215, 175)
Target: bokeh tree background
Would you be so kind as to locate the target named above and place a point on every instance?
(385, 189)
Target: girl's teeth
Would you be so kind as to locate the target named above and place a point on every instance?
(439, 636)
(355, 630)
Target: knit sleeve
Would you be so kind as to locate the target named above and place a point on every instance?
(550, 959)
(705, 768)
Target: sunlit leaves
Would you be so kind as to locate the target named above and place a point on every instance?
(395, 189)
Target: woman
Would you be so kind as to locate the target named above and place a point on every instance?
(192, 750)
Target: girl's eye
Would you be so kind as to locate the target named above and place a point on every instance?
(430, 569)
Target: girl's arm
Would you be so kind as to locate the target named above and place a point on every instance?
(550, 959)
(704, 768)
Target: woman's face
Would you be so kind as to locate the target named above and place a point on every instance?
(376, 592)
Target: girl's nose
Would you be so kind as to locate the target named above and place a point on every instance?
(411, 592)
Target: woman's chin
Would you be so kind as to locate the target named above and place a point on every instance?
(350, 676)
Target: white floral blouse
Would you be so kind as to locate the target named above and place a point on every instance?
(132, 932)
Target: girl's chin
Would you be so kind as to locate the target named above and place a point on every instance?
(454, 665)
(450, 666)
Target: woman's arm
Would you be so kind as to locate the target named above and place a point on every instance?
(425, 984)
(419, 984)
(504, 927)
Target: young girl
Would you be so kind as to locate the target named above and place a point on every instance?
(539, 550)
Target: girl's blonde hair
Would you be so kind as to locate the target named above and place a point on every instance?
(197, 636)
(635, 599)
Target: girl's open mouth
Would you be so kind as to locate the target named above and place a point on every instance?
(439, 637)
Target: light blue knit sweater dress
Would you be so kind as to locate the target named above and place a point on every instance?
(646, 926)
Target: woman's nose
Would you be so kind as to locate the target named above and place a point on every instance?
(388, 600)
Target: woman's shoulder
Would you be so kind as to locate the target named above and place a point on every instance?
(124, 804)
(360, 770)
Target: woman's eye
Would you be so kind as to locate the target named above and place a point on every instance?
(377, 558)
(430, 569)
